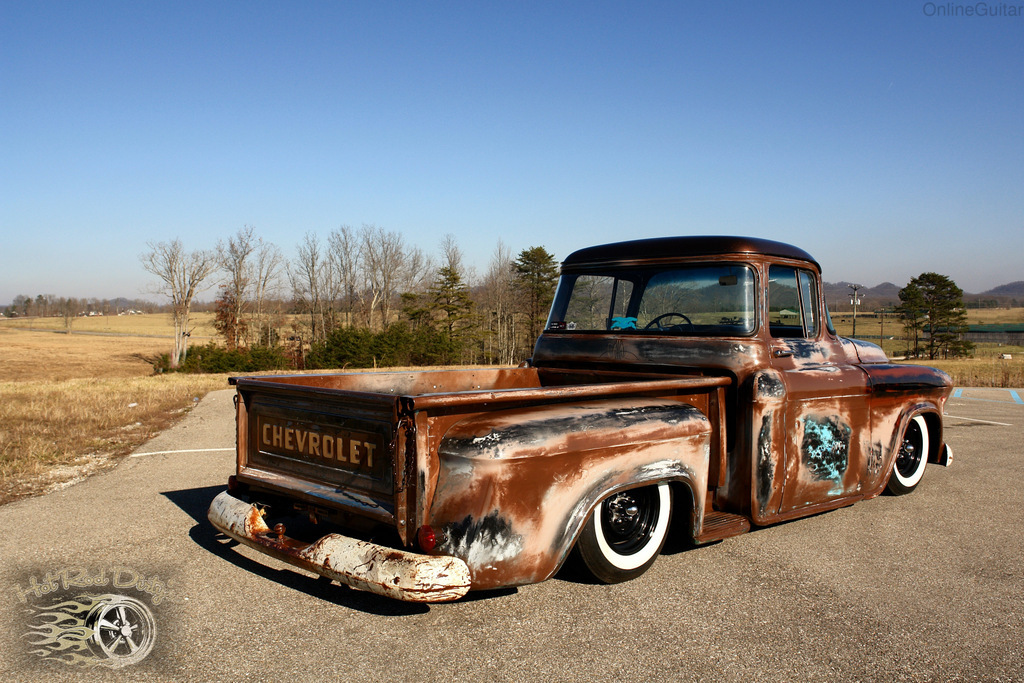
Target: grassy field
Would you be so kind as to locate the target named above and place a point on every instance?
(983, 372)
(983, 368)
(26, 356)
(55, 432)
(74, 404)
(975, 316)
(146, 325)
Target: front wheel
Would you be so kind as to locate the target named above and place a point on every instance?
(911, 459)
(625, 533)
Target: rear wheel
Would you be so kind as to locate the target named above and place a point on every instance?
(625, 533)
(911, 458)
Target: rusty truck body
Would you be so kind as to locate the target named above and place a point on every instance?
(691, 385)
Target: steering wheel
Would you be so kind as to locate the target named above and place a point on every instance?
(657, 321)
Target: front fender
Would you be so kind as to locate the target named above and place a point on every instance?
(898, 393)
(516, 486)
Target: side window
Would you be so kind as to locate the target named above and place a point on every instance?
(598, 302)
(792, 302)
(809, 303)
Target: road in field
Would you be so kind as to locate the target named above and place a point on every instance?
(928, 586)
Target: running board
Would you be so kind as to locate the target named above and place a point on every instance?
(718, 525)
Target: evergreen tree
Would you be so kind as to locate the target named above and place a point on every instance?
(911, 310)
(935, 305)
(536, 276)
(451, 300)
(416, 309)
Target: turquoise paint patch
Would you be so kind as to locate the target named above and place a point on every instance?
(826, 448)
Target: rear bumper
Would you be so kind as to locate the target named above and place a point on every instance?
(361, 565)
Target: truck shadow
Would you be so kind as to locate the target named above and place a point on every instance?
(573, 570)
(195, 502)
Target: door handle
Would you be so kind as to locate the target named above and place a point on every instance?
(782, 353)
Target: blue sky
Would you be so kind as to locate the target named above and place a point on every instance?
(884, 141)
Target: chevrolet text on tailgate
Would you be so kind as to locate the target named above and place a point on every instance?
(690, 385)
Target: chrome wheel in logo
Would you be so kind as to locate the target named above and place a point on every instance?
(124, 630)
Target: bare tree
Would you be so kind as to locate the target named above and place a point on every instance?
(345, 257)
(389, 268)
(417, 271)
(500, 303)
(68, 310)
(234, 258)
(382, 261)
(181, 276)
(43, 302)
(451, 255)
(308, 274)
(265, 275)
(21, 303)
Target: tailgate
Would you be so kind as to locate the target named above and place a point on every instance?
(332, 449)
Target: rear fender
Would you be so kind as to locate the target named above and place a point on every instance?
(516, 487)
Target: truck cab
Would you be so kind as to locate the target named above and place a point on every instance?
(811, 417)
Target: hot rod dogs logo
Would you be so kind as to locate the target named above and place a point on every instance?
(91, 618)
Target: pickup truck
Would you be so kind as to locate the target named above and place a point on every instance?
(686, 385)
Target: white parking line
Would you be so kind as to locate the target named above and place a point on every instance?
(971, 419)
(187, 450)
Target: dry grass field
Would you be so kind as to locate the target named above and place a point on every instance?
(983, 372)
(146, 325)
(73, 404)
(975, 316)
(53, 356)
(985, 368)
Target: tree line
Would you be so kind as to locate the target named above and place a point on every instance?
(354, 298)
(50, 305)
(367, 298)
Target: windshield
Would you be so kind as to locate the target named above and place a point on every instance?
(699, 300)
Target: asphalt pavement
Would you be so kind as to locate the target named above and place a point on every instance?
(928, 586)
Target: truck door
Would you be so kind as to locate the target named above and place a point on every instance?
(827, 421)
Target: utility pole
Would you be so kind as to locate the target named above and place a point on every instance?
(855, 301)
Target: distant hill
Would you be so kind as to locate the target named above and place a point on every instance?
(1014, 289)
(887, 295)
(838, 295)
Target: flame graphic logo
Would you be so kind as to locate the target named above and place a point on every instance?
(108, 630)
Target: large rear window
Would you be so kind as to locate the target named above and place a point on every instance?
(698, 300)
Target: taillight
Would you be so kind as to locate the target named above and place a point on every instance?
(426, 537)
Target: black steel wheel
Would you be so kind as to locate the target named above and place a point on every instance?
(911, 459)
(625, 533)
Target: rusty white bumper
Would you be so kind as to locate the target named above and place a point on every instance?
(359, 564)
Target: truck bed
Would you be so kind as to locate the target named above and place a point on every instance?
(353, 447)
